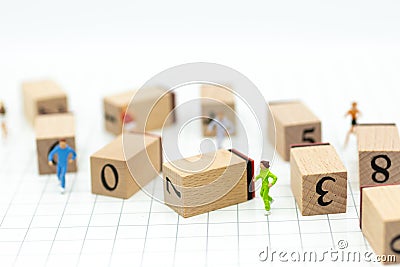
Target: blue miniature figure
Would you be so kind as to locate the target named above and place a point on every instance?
(62, 150)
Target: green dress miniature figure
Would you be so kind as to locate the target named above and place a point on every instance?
(265, 174)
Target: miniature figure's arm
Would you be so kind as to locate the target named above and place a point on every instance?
(274, 178)
(51, 154)
(259, 176)
(73, 154)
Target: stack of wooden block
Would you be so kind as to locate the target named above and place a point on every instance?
(46, 107)
(379, 176)
(318, 177)
(132, 160)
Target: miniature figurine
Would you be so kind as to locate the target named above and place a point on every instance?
(223, 127)
(62, 150)
(129, 123)
(354, 113)
(3, 119)
(265, 174)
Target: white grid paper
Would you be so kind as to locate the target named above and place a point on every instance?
(41, 227)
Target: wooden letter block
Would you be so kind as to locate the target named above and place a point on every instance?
(43, 97)
(110, 173)
(208, 182)
(214, 100)
(294, 124)
(155, 100)
(49, 130)
(318, 179)
(380, 219)
(378, 154)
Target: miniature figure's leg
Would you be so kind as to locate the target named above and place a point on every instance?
(59, 169)
(220, 140)
(4, 128)
(62, 173)
(267, 203)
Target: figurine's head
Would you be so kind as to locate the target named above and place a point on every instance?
(354, 104)
(62, 143)
(264, 164)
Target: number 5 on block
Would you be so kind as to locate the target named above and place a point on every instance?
(378, 154)
(294, 124)
(318, 179)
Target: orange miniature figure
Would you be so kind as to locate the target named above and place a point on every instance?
(3, 113)
(354, 113)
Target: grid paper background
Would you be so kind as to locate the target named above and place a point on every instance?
(39, 226)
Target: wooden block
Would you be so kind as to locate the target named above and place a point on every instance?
(380, 219)
(216, 99)
(378, 154)
(318, 179)
(120, 175)
(49, 130)
(294, 124)
(208, 182)
(43, 97)
(154, 103)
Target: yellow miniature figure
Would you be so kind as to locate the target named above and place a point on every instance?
(354, 113)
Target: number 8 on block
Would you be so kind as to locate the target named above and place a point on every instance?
(378, 154)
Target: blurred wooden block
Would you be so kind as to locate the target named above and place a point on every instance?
(208, 182)
(113, 174)
(216, 99)
(380, 219)
(49, 130)
(294, 124)
(378, 154)
(43, 97)
(153, 103)
(318, 179)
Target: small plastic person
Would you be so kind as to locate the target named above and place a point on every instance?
(265, 174)
(3, 119)
(354, 113)
(63, 151)
(128, 120)
(223, 127)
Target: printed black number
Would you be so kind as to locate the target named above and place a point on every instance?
(395, 250)
(378, 169)
(42, 110)
(323, 192)
(103, 177)
(173, 187)
(110, 118)
(308, 139)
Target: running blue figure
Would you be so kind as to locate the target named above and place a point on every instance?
(62, 150)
